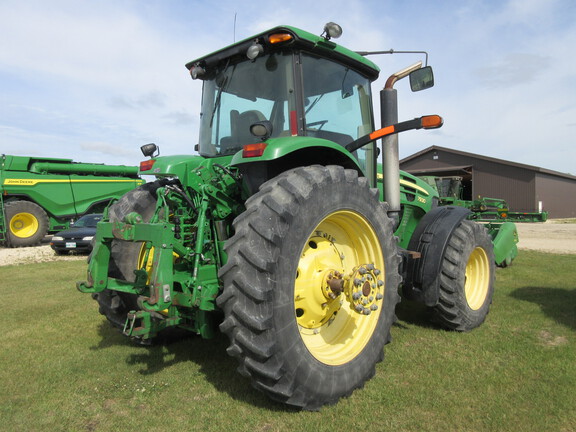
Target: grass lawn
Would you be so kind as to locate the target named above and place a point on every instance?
(62, 367)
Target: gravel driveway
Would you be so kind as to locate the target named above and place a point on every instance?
(35, 254)
(551, 236)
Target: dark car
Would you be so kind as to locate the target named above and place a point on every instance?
(78, 238)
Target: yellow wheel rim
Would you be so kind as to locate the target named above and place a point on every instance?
(331, 329)
(24, 225)
(146, 259)
(146, 262)
(477, 278)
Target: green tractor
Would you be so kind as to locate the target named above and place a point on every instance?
(280, 234)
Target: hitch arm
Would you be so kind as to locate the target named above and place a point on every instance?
(424, 122)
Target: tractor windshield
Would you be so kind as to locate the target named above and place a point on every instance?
(242, 94)
(335, 105)
(337, 101)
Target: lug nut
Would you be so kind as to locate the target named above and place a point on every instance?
(374, 307)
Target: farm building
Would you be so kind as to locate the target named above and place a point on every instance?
(525, 188)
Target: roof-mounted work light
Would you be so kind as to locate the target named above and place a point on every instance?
(332, 30)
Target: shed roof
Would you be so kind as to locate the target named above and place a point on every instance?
(487, 158)
(464, 169)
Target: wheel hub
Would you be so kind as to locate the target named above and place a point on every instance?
(365, 287)
(334, 284)
(24, 225)
(362, 288)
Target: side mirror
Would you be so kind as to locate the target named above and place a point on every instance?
(421, 79)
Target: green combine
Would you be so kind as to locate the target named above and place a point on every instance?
(39, 196)
(279, 233)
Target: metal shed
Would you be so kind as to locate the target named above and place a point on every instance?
(525, 187)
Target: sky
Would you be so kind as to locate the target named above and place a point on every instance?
(94, 80)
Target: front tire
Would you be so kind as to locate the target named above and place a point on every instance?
(27, 223)
(310, 286)
(466, 279)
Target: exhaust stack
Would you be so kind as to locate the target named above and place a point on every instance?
(390, 155)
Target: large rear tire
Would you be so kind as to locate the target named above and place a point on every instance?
(27, 223)
(125, 256)
(466, 279)
(310, 286)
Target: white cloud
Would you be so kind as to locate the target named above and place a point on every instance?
(513, 69)
(105, 149)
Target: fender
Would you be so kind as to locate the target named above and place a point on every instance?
(277, 148)
(277, 155)
(430, 238)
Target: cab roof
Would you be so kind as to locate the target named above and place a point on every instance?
(300, 40)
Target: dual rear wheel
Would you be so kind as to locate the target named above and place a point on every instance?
(466, 280)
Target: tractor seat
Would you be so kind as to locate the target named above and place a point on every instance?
(240, 130)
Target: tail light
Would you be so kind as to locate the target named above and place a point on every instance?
(253, 150)
(147, 164)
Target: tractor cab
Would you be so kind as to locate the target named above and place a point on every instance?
(283, 83)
